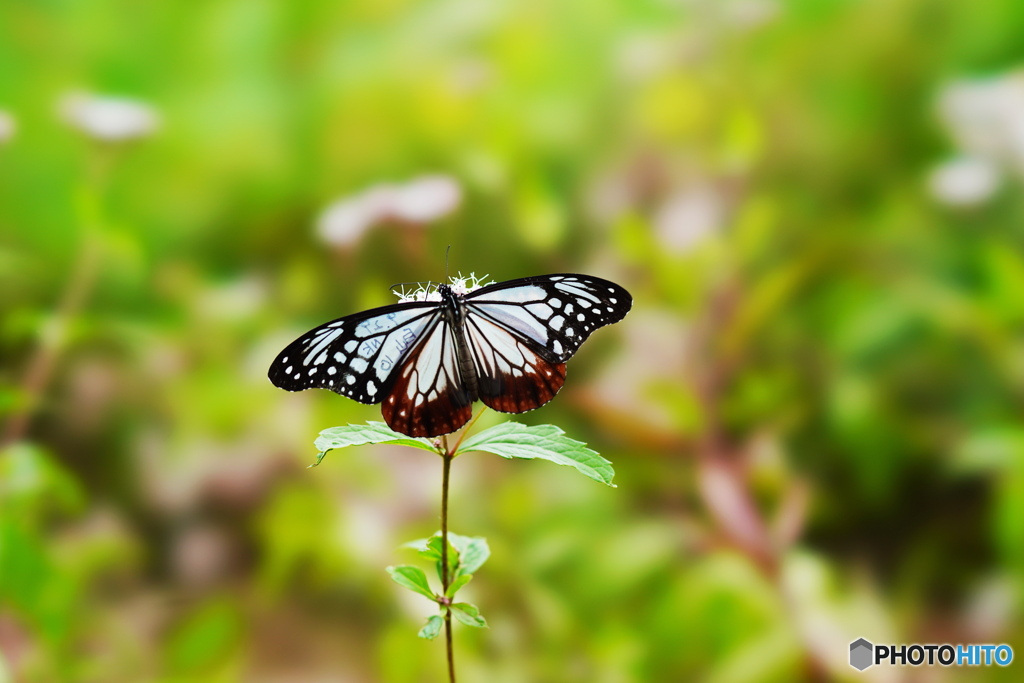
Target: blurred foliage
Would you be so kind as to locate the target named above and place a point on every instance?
(814, 409)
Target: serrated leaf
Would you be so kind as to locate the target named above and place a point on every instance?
(360, 435)
(468, 614)
(432, 628)
(460, 581)
(430, 549)
(547, 442)
(473, 552)
(412, 578)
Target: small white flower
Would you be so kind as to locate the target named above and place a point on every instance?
(7, 126)
(425, 199)
(423, 291)
(427, 291)
(419, 202)
(464, 284)
(345, 221)
(965, 181)
(109, 119)
(985, 117)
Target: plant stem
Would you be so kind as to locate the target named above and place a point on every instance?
(54, 334)
(445, 574)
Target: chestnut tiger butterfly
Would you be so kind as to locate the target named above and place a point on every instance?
(427, 359)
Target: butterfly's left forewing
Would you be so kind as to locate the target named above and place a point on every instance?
(355, 356)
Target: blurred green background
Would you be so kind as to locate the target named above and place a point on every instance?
(814, 408)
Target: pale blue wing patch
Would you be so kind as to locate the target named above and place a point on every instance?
(354, 356)
(553, 313)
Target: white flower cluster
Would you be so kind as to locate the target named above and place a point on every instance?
(419, 202)
(985, 118)
(427, 291)
(109, 119)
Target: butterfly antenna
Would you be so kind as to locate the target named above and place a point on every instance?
(446, 252)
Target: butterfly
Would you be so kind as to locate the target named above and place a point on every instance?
(428, 359)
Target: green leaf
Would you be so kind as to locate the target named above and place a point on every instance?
(433, 551)
(412, 578)
(460, 581)
(547, 442)
(360, 435)
(430, 549)
(431, 628)
(420, 546)
(468, 614)
(473, 552)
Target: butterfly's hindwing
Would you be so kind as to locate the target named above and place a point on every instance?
(512, 377)
(428, 397)
(354, 356)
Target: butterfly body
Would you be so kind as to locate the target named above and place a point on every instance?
(427, 361)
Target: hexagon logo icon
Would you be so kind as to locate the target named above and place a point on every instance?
(861, 654)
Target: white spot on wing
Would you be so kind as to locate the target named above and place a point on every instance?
(541, 310)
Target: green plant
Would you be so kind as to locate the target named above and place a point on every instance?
(457, 558)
